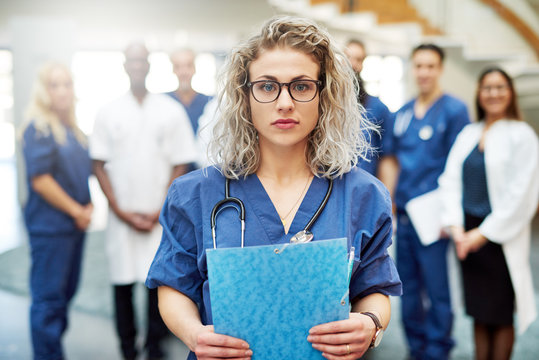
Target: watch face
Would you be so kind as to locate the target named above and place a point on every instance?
(378, 337)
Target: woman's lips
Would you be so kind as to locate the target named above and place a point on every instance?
(285, 123)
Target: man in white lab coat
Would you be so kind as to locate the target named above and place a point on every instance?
(140, 143)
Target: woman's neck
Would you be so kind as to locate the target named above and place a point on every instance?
(63, 116)
(283, 166)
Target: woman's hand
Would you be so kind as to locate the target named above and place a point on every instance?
(470, 241)
(210, 345)
(475, 239)
(461, 245)
(83, 216)
(345, 339)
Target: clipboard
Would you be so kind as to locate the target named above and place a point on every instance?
(270, 296)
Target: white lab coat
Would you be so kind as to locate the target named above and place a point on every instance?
(512, 171)
(140, 144)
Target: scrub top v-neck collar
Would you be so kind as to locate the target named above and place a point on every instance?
(432, 109)
(261, 206)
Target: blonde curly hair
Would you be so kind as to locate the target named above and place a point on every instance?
(339, 139)
(39, 111)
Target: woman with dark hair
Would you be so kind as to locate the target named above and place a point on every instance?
(289, 128)
(490, 190)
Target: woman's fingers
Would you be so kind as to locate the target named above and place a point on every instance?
(341, 349)
(217, 346)
(335, 339)
(343, 340)
(337, 326)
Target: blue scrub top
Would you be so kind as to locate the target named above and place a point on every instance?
(69, 164)
(422, 145)
(195, 109)
(359, 208)
(382, 143)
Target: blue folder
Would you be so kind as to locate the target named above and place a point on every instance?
(270, 296)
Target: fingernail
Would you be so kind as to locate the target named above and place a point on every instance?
(249, 352)
(309, 338)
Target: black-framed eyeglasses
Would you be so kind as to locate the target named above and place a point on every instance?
(266, 91)
(502, 88)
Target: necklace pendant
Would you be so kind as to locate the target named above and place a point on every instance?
(283, 221)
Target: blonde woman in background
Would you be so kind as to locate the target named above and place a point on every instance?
(490, 190)
(58, 210)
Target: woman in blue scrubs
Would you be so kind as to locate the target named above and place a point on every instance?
(58, 210)
(289, 122)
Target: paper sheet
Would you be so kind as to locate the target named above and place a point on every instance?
(425, 213)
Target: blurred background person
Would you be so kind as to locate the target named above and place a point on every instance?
(376, 111)
(183, 66)
(141, 142)
(424, 130)
(58, 210)
(490, 191)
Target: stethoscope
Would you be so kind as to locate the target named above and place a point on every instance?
(303, 236)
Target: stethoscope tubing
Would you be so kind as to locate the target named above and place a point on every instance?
(230, 199)
(215, 211)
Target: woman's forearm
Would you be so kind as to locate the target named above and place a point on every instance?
(180, 314)
(55, 195)
(376, 303)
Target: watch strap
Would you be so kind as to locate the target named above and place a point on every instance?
(377, 323)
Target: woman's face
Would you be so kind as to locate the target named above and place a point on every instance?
(494, 95)
(60, 90)
(285, 122)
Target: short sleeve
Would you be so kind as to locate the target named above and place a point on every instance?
(175, 263)
(457, 121)
(387, 134)
(375, 272)
(99, 140)
(39, 151)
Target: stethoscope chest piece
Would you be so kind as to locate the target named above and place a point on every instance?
(426, 132)
(304, 236)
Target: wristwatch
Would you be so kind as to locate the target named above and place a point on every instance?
(377, 338)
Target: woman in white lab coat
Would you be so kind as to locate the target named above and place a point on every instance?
(490, 190)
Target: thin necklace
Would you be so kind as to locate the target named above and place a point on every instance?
(283, 219)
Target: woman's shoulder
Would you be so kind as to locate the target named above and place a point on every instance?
(36, 130)
(516, 130)
(472, 128)
(195, 182)
(363, 184)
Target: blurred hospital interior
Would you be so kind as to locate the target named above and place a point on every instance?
(90, 36)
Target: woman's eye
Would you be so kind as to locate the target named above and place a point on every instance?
(302, 87)
(267, 87)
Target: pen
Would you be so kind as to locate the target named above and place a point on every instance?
(350, 263)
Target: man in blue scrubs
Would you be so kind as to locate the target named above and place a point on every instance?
(377, 112)
(183, 66)
(424, 131)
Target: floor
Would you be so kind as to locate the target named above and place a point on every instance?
(91, 334)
